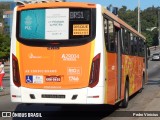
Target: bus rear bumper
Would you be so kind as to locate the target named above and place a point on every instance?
(72, 96)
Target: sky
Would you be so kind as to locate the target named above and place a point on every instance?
(131, 4)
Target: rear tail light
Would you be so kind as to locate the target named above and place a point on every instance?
(94, 73)
(15, 69)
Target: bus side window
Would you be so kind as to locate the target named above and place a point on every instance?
(111, 44)
(132, 44)
(126, 42)
(106, 32)
(135, 45)
(122, 39)
(138, 49)
(143, 44)
(117, 35)
(139, 46)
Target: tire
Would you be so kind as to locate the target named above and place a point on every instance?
(126, 96)
(143, 82)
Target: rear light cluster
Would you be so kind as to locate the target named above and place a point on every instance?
(94, 73)
(15, 69)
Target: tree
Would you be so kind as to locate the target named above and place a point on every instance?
(4, 46)
(149, 19)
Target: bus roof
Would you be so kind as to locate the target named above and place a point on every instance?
(56, 4)
(121, 22)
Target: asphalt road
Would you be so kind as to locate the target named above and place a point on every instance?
(138, 102)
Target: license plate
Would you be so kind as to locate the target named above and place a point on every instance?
(53, 96)
(53, 78)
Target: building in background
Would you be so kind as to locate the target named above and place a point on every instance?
(7, 19)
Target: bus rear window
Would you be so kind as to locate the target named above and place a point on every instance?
(55, 24)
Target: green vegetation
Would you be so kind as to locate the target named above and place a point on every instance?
(4, 39)
(4, 46)
(149, 19)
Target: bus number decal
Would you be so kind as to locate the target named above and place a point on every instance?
(70, 57)
(73, 78)
(74, 71)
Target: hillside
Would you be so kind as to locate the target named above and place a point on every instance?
(149, 19)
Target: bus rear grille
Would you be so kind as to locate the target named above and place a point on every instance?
(53, 96)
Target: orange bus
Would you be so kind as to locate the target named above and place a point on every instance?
(74, 53)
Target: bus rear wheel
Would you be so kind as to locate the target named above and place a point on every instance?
(126, 96)
(143, 83)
